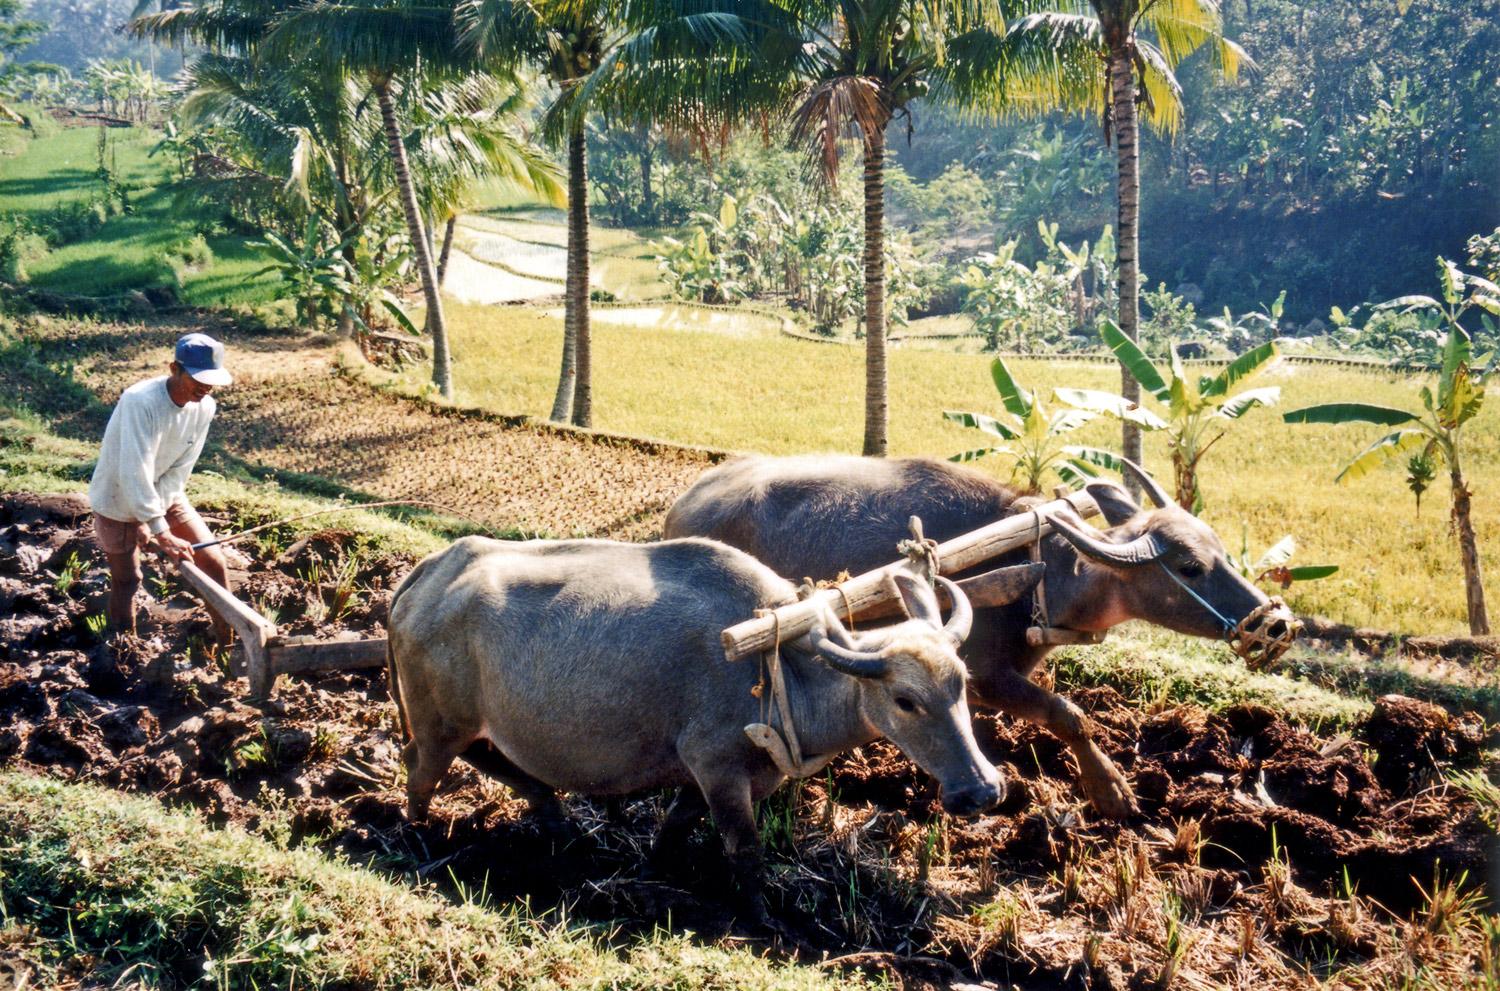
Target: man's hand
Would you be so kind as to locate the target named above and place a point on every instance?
(173, 546)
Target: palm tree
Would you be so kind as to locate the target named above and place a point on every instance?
(299, 111)
(1141, 43)
(566, 40)
(390, 44)
(840, 68)
(463, 137)
(16, 33)
(633, 60)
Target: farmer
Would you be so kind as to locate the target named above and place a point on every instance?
(138, 492)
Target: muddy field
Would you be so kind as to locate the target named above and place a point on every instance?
(1263, 853)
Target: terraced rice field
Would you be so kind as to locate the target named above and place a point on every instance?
(506, 473)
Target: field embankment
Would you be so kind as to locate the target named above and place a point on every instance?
(124, 890)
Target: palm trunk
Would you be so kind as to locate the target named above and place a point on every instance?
(1122, 109)
(876, 402)
(442, 265)
(442, 371)
(648, 195)
(1468, 549)
(349, 222)
(567, 379)
(578, 260)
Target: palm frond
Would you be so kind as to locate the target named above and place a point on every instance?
(1163, 91)
(830, 109)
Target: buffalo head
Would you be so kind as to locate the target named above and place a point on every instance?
(913, 690)
(1170, 568)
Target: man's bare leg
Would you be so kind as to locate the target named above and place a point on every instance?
(124, 583)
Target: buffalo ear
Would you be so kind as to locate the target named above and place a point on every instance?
(918, 597)
(1113, 501)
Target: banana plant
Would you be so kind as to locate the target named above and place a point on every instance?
(323, 284)
(1030, 436)
(1272, 564)
(1198, 409)
(1434, 436)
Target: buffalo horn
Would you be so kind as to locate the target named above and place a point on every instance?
(1142, 550)
(1002, 586)
(1151, 486)
(963, 612)
(859, 663)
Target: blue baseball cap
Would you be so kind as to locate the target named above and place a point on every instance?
(202, 357)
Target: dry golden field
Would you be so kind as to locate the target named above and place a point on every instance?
(1399, 567)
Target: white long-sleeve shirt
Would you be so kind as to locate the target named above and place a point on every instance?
(150, 447)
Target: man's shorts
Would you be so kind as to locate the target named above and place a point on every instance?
(116, 537)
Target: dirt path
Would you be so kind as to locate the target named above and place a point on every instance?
(1248, 824)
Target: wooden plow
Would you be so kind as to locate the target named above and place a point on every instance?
(266, 653)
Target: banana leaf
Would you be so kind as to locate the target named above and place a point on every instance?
(1237, 406)
(1096, 401)
(1012, 396)
(1311, 572)
(979, 421)
(1094, 456)
(1390, 446)
(1250, 363)
(1414, 302)
(976, 453)
(1067, 420)
(1134, 360)
(1456, 355)
(1385, 416)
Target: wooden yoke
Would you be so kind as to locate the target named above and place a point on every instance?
(865, 594)
(254, 629)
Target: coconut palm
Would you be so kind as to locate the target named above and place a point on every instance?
(286, 125)
(463, 137)
(849, 68)
(302, 107)
(565, 40)
(633, 61)
(389, 45)
(1141, 43)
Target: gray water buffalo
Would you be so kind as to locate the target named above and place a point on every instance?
(819, 516)
(596, 667)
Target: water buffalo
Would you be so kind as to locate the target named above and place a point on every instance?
(596, 667)
(819, 516)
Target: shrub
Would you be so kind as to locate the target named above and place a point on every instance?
(194, 252)
(20, 248)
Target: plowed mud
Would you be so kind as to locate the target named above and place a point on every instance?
(1243, 815)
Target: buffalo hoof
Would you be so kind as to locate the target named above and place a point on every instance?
(1110, 795)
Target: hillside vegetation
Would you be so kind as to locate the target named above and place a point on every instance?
(94, 235)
